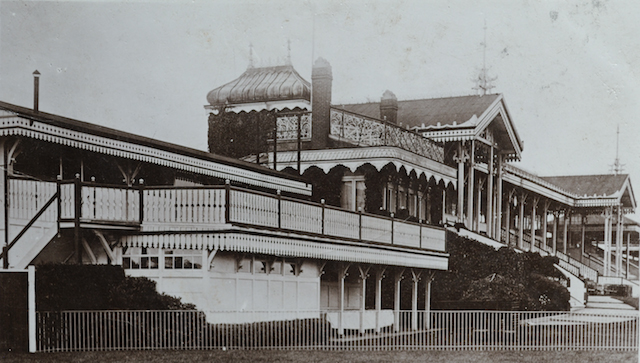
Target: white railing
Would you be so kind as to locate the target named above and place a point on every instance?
(565, 261)
(450, 330)
(365, 131)
(183, 206)
(110, 204)
(27, 197)
(170, 209)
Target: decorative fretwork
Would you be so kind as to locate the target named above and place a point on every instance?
(288, 127)
(364, 131)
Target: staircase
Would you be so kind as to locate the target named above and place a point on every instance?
(33, 220)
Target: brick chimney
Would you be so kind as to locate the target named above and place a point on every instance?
(321, 79)
(389, 107)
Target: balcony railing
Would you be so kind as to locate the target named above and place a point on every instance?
(204, 208)
(365, 131)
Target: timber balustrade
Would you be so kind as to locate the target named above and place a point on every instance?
(202, 208)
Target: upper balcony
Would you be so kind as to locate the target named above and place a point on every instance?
(211, 209)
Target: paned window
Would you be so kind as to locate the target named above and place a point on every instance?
(182, 259)
(140, 258)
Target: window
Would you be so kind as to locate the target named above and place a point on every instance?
(140, 258)
(182, 259)
(353, 193)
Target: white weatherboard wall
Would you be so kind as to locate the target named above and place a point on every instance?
(254, 295)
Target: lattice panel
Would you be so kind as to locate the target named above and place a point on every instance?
(288, 127)
(365, 131)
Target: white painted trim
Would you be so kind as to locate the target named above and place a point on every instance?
(38, 130)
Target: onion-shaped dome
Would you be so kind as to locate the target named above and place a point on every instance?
(266, 84)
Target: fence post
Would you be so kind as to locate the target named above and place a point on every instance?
(59, 191)
(227, 201)
(141, 201)
(279, 208)
(360, 223)
(322, 203)
(77, 185)
(392, 219)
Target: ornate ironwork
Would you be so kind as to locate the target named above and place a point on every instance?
(365, 131)
(288, 127)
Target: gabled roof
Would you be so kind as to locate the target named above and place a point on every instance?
(455, 118)
(265, 84)
(589, 185)
(430, 112)
(604, 185)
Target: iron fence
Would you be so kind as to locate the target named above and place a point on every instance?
(443, 330)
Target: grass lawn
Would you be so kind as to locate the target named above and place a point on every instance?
(326, 356)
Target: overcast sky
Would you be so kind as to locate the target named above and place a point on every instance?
(569, 70)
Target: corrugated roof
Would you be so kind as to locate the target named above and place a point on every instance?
(429, 111)
(589, 185)
(265, 84)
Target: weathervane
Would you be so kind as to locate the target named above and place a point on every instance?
(616, 167)
(484, 82)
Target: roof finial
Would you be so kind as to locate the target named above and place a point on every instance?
(483, 82)
(289, 51)
(251, 65)
(616, 167)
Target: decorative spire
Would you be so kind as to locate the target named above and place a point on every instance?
(251, 65)
(484, 82)
(289, 52)
(616, 167)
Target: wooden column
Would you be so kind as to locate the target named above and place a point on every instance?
(470, 187)
(342, 274)
(444, 204)
(427, 300)
(619, 229)
(607, 241)
(507, 220)
(460, 158)
(534, 204)
(545, 214)
(565, 229)
(582, 233)
(521, 201)
(498, 229)
(628, 243)
(554, 244)
(489, 216)
(364, 273)
(478, 207)
(396, 301)
(379, 277)
(415, 278)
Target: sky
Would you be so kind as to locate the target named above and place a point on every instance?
(569, 70)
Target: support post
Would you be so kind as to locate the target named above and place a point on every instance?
(554, 243)
(498, 232)
(565, 230)
(31, 278)
(534, 204)
(379, 277)
(582, 233)
(619, 231)
(415, 278)
(460, 158)
(427, 300)
(342, 274)
(470, 186)
(521, 200)
(545, 215)
(77, 188)
(364, 273)
(396, 301)
(507, 220)
(489, 217)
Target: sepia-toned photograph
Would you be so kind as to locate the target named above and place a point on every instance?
(325, 181)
